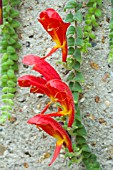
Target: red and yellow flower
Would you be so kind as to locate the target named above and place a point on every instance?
(51, 85)
(56, 28)
(54, 129)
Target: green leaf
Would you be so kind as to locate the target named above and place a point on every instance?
(86, 154)
(14, 13)
(7, 107)
(111, 35)
(69, 17)
(10, 62)
(4, 43)
(11, 30)
(8, 95)
(92, 36)
(98, 13)
(76, 66)
(71, 30)
(86, 148)
(82, 132)
(14, 67)
(13, 57)
(71, 76)
(77, 87)
(11, 90)
(10, 73)
(8, 8)
(15, 24)
(8, 101)
(15, 3)
(80, 140)
(4, 57)
(4, 78)
(70, 41)
(17, 45)
(78, 116)
(5, 2)
(5, 90)
(79, 32)
(79, 42)
(78, 16)
(70, 4)
(77, 55)
(88, 21)
(76, 97)
(79, 77)
(4, 66)
(87, 28)
(11, 83)
(10, 50)
(91, 10)
(71, 51)
(11, 41)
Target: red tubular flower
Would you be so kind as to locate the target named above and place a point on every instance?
(51, 85)
(54, 129)
(61, 93)
(56, 28)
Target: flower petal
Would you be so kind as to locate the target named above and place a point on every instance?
(40, 65)
(56, 152)
(36, 83)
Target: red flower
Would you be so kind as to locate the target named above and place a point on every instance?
(53, 128)
(51, 85)
(61, 93)
(56, 28)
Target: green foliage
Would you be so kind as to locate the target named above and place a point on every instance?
(79, 41)
(9, 44)
(91, 22)
(110, 56)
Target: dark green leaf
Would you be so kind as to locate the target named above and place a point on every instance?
(77, 87)
(70, 4)
(86, 154)
(82, 132)
(76, 96)
(79, 42)
(86, 148)
(81, 140)
(71, 30)
(76, 66)
(69, 17)
(77, 55)
(71, 51)
(78, 16)
(79, 77)
(70, 41)
(78, 116)
(71, 76)
(79, 32)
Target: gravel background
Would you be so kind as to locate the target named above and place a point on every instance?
(21, 145)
